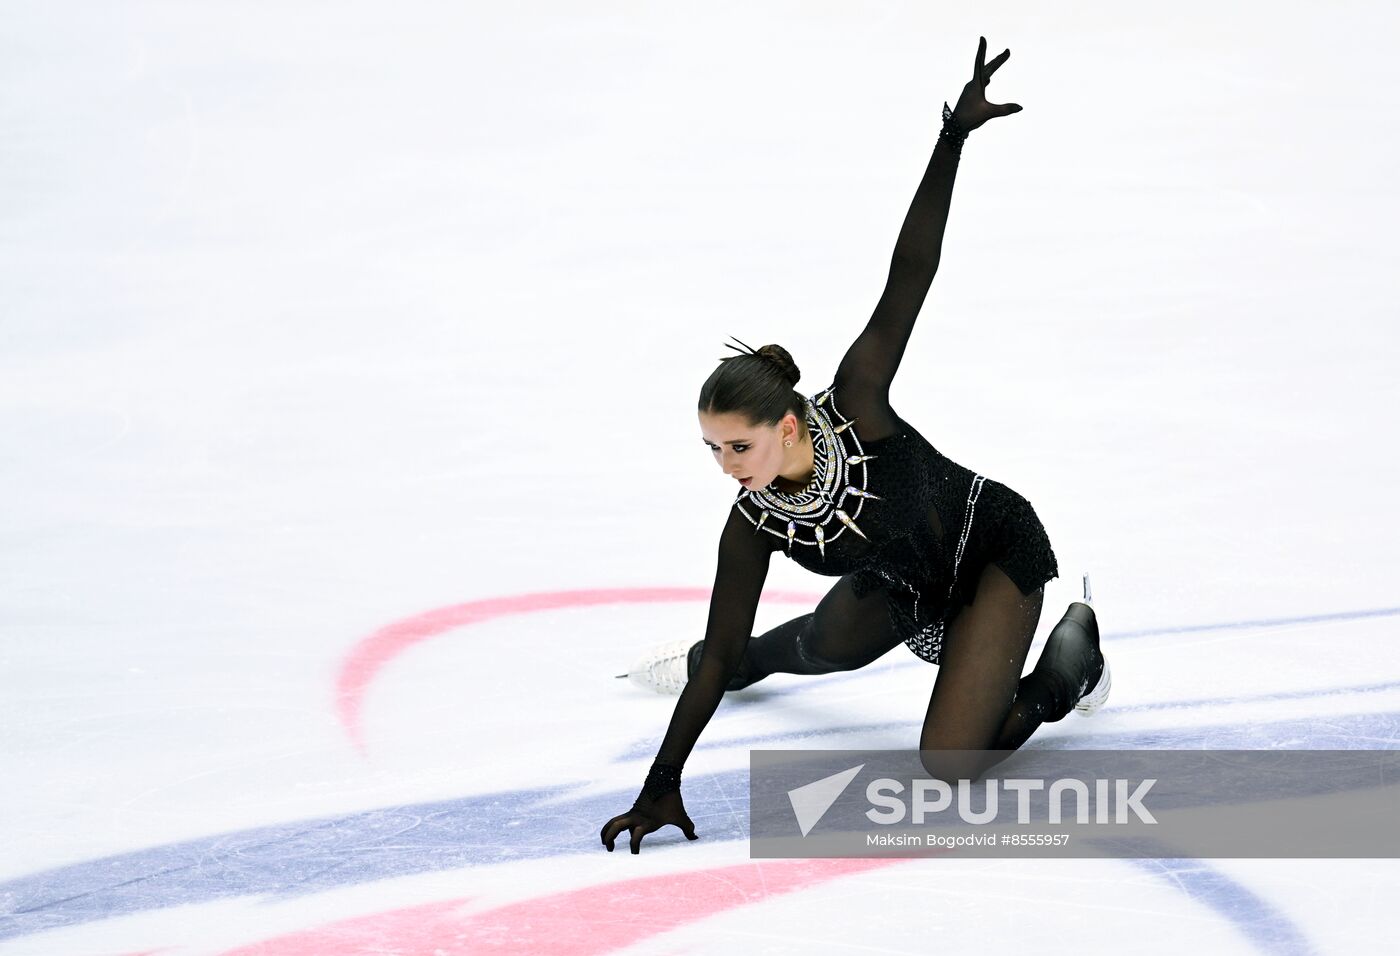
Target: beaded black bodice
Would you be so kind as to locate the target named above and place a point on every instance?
(876, 509)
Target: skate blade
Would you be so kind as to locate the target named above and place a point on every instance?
(1093, 700)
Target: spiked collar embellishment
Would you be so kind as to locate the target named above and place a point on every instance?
(819, 513)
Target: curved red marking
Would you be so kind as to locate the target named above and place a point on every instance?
(373, 652)
(582, 922)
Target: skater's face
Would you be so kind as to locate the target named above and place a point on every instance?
(754, 455)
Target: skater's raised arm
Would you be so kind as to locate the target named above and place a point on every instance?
(742, 568)
(866, 371)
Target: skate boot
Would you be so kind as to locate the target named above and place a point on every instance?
(667, 668)
(1073, 661)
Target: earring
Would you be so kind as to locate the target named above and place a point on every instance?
(788, 443)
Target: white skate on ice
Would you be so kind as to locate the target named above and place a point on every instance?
(1097, 694)
(663, 669)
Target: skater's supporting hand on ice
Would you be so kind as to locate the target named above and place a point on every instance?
(647, 816)
(973, 109)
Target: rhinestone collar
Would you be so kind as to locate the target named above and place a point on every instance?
(832, 500)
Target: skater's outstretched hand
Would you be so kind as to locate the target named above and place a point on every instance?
(647, 816)
(973, 109)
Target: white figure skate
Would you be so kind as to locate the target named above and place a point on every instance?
(664, 669)
(1097, 694)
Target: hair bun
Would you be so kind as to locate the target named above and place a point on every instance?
(780, 357)
(757, 383)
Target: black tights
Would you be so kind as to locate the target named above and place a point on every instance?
(980, 701)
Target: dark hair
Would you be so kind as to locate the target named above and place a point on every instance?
(757, 384)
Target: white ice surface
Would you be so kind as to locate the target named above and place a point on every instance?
(317, 317)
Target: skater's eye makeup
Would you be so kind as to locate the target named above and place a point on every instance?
(737, 446)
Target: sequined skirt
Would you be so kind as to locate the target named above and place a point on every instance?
(999, 527)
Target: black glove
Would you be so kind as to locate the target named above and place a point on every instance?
(658, 804)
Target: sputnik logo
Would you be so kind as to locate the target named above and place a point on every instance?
(811, 801)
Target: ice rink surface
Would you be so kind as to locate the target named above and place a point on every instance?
(348, 360)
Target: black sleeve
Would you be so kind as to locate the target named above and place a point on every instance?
(742, 569)
(867, 369)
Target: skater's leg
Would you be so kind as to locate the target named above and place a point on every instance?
(972, 707)
(843, 633)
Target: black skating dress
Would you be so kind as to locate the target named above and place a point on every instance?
(900, 516)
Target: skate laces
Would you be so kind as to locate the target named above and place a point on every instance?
(665, 669)
(668, 673)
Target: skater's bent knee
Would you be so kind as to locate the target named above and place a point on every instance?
(950, 766)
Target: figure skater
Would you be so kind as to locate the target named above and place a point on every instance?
(929, 553)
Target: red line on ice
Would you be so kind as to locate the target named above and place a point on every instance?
(372, 653)
(583, 922)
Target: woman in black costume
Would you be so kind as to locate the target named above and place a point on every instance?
(929, 553)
